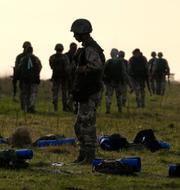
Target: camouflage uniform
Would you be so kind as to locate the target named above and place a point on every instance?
(151, 64)
(70, 73)
(29, 86)
(87, 85)
(114, 77)
(57, 63)
(160, 75)
(138, 72)
(15, 73)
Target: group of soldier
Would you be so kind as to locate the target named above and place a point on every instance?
(81, 74)
(135, 73)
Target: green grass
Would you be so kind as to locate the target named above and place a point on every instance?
(161, 114)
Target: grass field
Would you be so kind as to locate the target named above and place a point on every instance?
(162, 114)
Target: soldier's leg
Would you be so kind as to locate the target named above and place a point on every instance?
(158, 86)
(64, 95)
(55, 93)
(163, 85)
(118, 90)
(32, 98)
(142, 93)
(85, 129)
(136, 88)
(124, 93)
(109, 93)
(22, 96)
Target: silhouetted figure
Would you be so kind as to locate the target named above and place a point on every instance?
(138, 72)
(29, 76)
(58, 62)
(151, 64)
(160, 71)
(70, 74)
(87, 87)
(15, 73)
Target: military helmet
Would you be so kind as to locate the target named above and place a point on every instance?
(26, 44)
(59, 47)
(114, 53)
(81, 26)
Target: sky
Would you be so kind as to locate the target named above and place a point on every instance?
(151, 25)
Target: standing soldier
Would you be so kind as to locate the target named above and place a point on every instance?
(29, 76)
(112, 79)
(15, 73)
(125, 83)
(160, 70)
(57, 63)
(70, 73)
(138, 72)
(151, 64)
(87, 86)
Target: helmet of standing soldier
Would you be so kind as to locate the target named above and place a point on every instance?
(114, 53)
(59, 47)
(26, 44)
(81, 26)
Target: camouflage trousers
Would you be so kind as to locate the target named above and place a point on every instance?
(85, 125)
(124, 93)
(152, 84)
(160, 85)
(138, 87)
(119, 90)
(28, 94)
(56, 88)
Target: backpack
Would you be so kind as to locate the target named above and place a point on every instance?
(139, 67)
(29, 70)
(161, 67)
(113, 142)
(147, 138)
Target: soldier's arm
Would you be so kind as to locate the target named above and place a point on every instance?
(51, 61)
(93, 59)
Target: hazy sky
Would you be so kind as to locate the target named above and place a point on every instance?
(123, 24)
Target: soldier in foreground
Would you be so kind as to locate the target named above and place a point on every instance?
(58, 62)
(29, 76)
(15, 73)
(87, 86)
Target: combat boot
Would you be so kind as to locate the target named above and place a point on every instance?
(81, 157)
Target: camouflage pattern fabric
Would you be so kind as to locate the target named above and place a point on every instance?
(28, 96)
(138, 86)
(85, 125)
(160, 84)
(56, 87)
(110, 87)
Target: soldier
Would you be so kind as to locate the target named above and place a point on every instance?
(57, 62)
(125, 84)
(160, 70)
(151, 64)
(70, 73)
(138, 72)
(87, 86)
(15, 73)
(29, 76)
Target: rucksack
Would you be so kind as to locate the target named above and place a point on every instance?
(139, 67)
(161, 67)
(147, 138)
(29, 71)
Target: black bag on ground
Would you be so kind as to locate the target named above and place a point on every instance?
(147, 138)
(113, 142)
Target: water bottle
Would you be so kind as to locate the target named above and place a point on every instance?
(164, 145)
(43, 143)
(24, 154)
(174, 170)
(105, 143)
